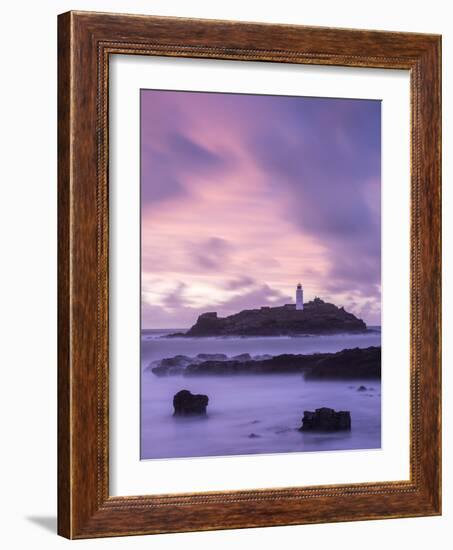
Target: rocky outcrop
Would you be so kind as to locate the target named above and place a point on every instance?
(280, 364)
(317, 317)
(325, 420)
(174, 365)
(186, 403)
(357, 363)
(177, 364)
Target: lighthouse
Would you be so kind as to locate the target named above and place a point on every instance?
(299, 297)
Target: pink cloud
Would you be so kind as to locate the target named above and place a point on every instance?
(258, 189)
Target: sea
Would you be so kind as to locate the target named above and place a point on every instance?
(253, 414)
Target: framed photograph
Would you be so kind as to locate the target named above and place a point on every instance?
(249, 275)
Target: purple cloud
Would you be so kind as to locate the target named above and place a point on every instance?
(326, 175)
(240, 283)
(210, 254)
(249, 194)
(176, 310)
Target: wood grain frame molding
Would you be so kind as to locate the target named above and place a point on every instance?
(86, 41)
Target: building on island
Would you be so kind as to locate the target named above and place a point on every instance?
(299, 297)
(313, 317)
(299, 300)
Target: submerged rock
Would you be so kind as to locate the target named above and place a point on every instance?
(361, 388)
(325, 420)
(189, 404)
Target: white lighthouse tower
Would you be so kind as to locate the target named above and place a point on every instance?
(299, 297)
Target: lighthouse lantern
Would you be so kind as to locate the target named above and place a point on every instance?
(299, 297)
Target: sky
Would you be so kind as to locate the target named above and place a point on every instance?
(244, 196)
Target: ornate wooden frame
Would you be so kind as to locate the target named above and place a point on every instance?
(85, 42)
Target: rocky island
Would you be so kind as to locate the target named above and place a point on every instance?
(315, 317)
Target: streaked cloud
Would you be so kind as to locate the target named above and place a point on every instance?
(244, 196)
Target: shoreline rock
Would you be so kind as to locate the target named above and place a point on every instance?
(356, 363)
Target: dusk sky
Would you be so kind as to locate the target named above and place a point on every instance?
(244, 196)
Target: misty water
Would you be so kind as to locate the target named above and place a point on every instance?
(250, 414)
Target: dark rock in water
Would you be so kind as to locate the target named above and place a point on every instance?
(188, 404)
(317, 317)
(253, 436)
(361, 388)
(325, 420)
